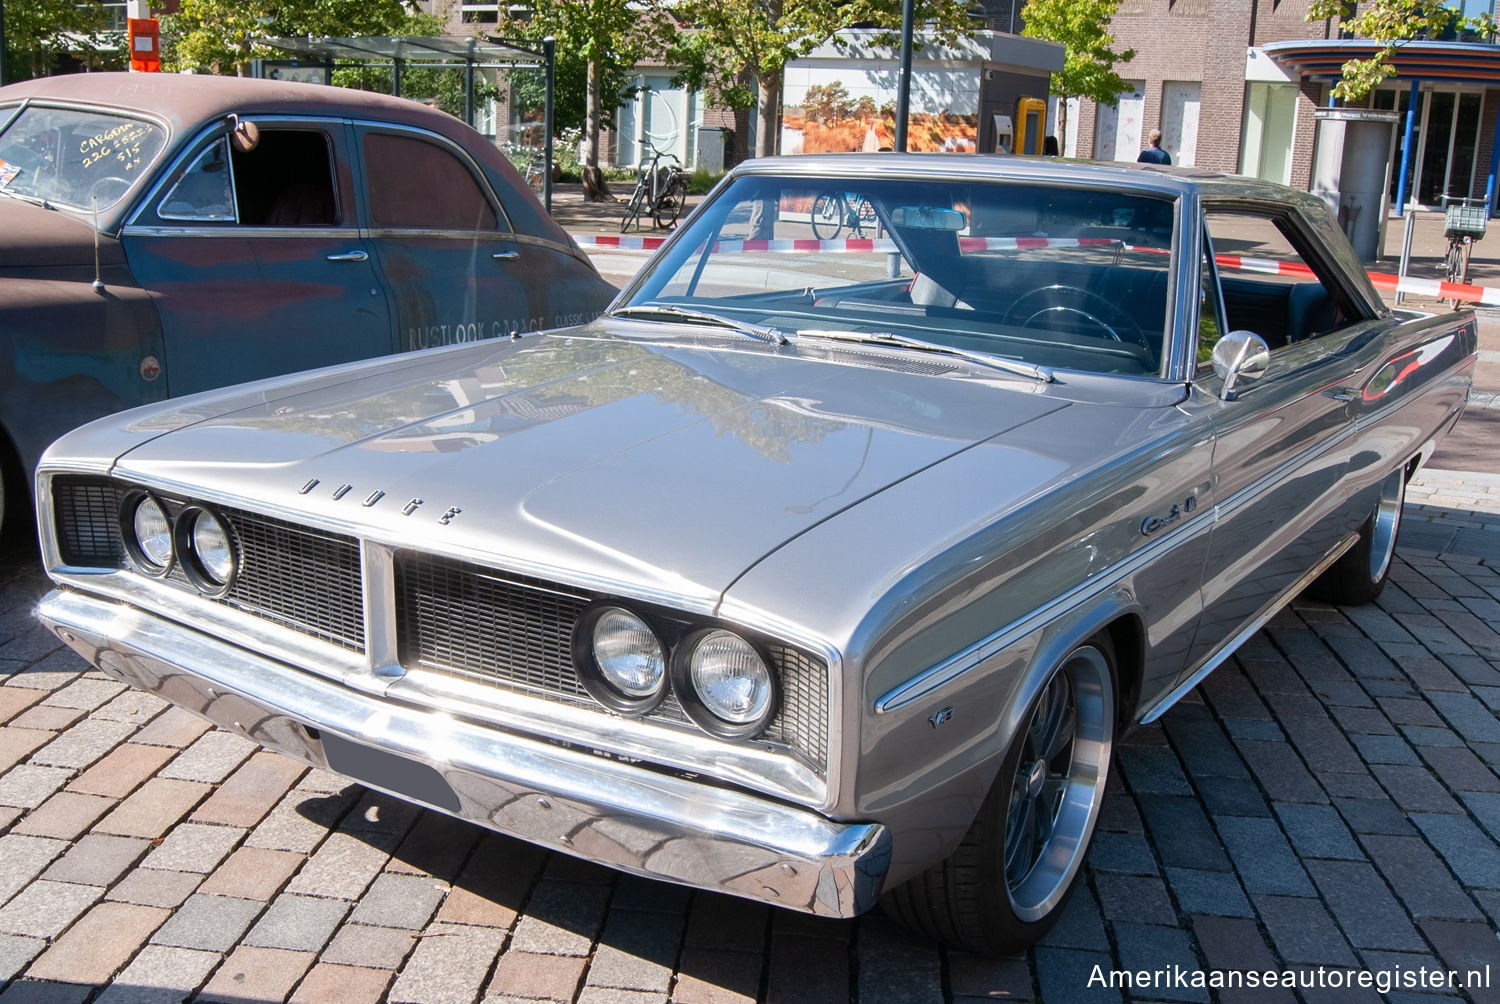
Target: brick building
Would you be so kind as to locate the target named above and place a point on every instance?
(1233, 86)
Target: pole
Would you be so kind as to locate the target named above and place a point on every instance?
(469, 91)
(903, 84)
(1411, 128)
(2, 43)
(549, 49)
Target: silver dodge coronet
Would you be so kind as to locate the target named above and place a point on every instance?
(826, 568)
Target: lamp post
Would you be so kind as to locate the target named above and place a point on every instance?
(903, 82)
(2, 43)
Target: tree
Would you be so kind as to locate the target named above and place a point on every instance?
(38, 32)
(598, 45)
(739, 50)
(1389, 22)
(1082, 26)
(220, 35)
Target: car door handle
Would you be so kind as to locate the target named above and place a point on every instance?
(506, 255)
(349, 256)
(1342, 393)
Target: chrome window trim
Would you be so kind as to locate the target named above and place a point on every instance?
(497, 203)
(158, 189)
(235, 230)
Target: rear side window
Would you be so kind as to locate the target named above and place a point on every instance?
(417, 185)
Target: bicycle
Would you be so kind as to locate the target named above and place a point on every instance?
(1464, 222)
(833, 211)
(660, 191)
(530, 162)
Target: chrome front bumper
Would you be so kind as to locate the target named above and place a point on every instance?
(624, 816)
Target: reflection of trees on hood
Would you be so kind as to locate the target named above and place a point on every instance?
(550, 379)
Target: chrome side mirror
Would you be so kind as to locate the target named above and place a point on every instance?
(1240, 358)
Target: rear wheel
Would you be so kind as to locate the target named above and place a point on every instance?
(1006, 884)
(1362, 572)
(669, 207)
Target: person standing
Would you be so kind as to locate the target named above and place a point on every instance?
(1154, 154)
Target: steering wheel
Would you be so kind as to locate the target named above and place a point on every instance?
(108, 189)
(1069, 302)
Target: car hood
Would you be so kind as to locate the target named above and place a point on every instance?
(33, 236)
(671, 466)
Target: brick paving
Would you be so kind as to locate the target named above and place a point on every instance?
(1329, 798)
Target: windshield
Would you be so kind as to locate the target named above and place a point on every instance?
(1056, 277)
(75, 158)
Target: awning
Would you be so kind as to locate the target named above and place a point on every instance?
(1453, 62)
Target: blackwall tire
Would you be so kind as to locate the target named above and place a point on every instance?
(1008, 881)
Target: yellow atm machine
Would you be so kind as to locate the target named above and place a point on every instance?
(1031, 125)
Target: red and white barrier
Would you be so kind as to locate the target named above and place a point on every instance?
(1410, 285)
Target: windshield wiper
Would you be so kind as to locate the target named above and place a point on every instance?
(1040, 373)
(703, 316)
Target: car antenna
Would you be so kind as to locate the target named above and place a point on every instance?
(98, 282)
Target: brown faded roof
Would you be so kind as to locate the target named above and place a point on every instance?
(186, 100)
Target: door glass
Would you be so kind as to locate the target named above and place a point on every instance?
(1461, 166)
(414, 184)
(1435, 153)
(203, 195)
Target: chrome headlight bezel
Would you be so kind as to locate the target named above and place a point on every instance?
(136, 551)
(603, 686)
(197, 570)
(685, 685)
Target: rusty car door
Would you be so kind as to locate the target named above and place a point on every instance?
(255, 258)
(455, 269)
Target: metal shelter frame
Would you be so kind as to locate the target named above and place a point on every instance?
(1417, 61)
(438, 50)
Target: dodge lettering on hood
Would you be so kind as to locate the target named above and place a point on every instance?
(827, 567)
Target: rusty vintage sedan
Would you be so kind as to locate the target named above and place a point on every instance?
(164, 234)
(819, 572)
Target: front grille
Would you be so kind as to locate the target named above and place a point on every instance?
(303, 579)
(512, 631)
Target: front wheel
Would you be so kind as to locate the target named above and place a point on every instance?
(828, 216)
(1006, 884)
(633, 210)
(1360, 575)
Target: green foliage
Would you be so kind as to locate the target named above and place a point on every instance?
(1083, 27)
(220, 35)
(613, 33)
(37, 32)
(1389, 22)
(741, 42)
(702, 181)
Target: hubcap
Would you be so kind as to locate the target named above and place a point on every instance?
(1059, 782)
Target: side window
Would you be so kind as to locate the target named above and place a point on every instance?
(286, 180)
(203, 194)
(417, 185)
(1269, 286)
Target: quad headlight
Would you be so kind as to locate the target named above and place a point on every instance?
(724, 683)
(147, 532)
(205, 549)
(621, 661)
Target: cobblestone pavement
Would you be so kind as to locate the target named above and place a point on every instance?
(1330, 798)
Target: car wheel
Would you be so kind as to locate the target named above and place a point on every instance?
(1362, 572)
(1007, 882)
